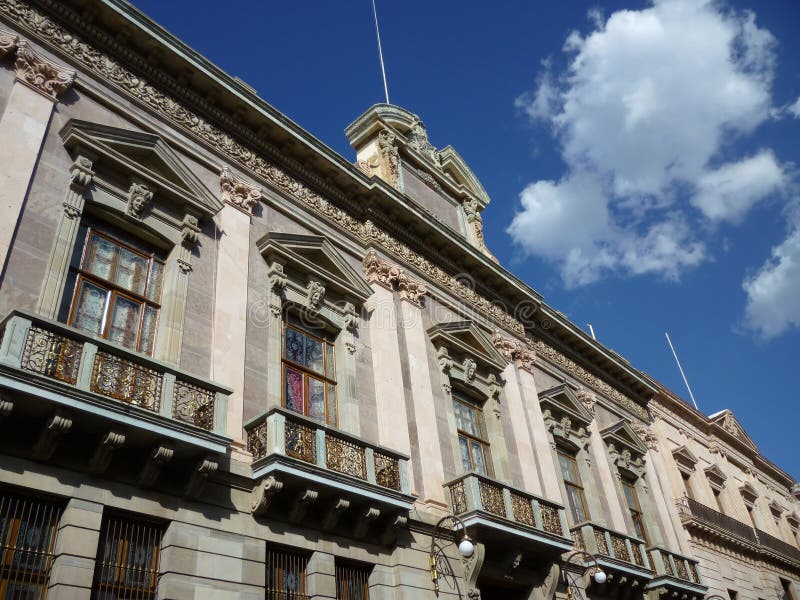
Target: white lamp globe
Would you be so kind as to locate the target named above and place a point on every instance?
(466, 547)
(600, 577)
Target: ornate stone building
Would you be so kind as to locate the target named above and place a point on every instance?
(234, 365)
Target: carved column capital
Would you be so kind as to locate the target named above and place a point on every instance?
(44, 76)
(238, 192)
(8, 42)
(380, 271)
(411, 289)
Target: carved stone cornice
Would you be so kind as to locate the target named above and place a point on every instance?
(44, 76)
(588, 378)
(8, 42)
(238, 192)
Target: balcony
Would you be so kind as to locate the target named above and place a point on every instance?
(352, 485)
(675, 572)
(704, 519)
(64, 376)
(624, 556)
(501, 514)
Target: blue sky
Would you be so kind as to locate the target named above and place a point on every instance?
(641, 158)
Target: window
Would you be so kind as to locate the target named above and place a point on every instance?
(286, 574)
(309, 375)
(117, 292)
(687, 485)
(127, 559)
(472, 438)
(786, 588)
(733, 595)
(635, 509)
(717, 499)
(572, 483)
(352, 581)
(27, 536)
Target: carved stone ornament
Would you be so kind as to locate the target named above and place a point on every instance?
(8, 42)
(493, 386)
(190, 230)
(393, 277)
(418, 140)
(263, 493)
(139, 198)
(445, 362)
(648, 437)
(390, 157)
(472, 570)
(475, 221)
(470, 368)
(276, 276)
(41, 74)
(587, 398)
(514, 351)
(185, 266)
(248, 151)
(315, 294)
(350, 317)
(238, 192)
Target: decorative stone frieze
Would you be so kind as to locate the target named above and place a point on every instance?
(238, 192)
(41, 74)
(393, 277)
(139, 198)
(8, 42)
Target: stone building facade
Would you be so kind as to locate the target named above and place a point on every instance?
(235, 365)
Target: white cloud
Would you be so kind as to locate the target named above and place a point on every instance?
(642, 111)
(773, 292)
(728, 192)
(794, 109)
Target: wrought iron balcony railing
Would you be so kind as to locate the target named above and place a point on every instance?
(478, 494)
(282, 432)
(88, 364)
(605, 542)
(696, 514)
(673, 565)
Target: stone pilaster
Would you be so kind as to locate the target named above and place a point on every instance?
(230, 299)
(75, 551)
(23, 127)
(321, 576)
(606, 478)
(523, 434)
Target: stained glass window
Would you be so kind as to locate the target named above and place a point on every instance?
(473, 447)
(309, 375)
(117, 292)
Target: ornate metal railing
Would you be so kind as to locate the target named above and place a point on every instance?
(673, 565)
(600, 540)
(85, 362)
(692, 511)
(473, 492)
(283, 432)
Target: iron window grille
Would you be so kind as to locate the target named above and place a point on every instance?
(352, 581)
(286, 574)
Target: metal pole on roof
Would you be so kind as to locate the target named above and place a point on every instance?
(591, 331)
(680, 368)
(380, 51)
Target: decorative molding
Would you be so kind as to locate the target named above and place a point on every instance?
(410, 289)
(185, 266)
(418, 140)
(57, 426)
(101, 459)
(391, 276)
(263, 493)
(44, 76)
(445, 362)
(190, 230)
(648, 438)
(587, 398)
(471, 209)
(276, 276)
(202, 471)
(160, 456)
(238, 192)
(588, 378)
(139, 198)
(522, 356)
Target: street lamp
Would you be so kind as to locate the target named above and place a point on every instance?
(597, 573)
(465, 547)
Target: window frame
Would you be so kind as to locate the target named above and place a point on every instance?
(307, 373)
(114, 291)
(483, 441)
(634, 509)
(576, 485)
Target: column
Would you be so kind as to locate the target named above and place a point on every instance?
(23, 126)
(606, 477)
(75, 551)
(551, 488)
(230, 298)
(430, 451)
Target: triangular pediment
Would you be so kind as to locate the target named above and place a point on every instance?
(715, 475)
(465, 337)
(685, 458)
(728, 423)
(144, 156)
(314, 254)
(562, 401)
(622, 434)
